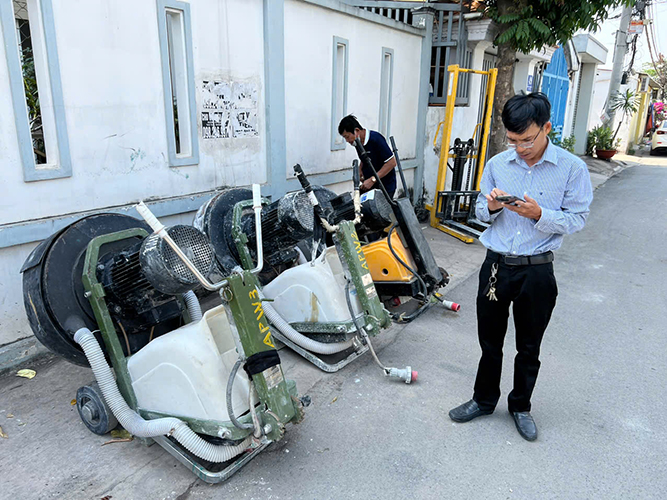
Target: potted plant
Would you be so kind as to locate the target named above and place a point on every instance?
(628, 103)
(601, 138)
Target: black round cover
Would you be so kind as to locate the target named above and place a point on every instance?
(53, 292)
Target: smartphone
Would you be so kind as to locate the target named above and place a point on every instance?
(509, 199)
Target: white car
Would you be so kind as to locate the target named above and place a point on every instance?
(659, 138)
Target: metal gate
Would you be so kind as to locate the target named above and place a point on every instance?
(448, 46)
(555, 84)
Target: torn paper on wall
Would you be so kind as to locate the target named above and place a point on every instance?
(229, 110)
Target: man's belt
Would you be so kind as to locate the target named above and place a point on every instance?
(521, 260)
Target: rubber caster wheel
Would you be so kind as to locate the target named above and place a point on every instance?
(93, 410)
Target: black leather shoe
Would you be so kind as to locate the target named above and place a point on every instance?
(525, 425)
(467, 411)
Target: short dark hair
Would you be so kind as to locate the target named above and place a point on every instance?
(349, 124)
(522, 110)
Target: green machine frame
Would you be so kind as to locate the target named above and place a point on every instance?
(278, 396)
(374, 316)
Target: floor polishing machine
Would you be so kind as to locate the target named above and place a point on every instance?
(111, 289)
(324, 307)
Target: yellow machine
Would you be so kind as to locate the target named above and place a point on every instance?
(383, 266)
(401, 264)
(453, 210)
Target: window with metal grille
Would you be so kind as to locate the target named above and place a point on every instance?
(32, 60)
(448, 49)
(463, 88)
(179, 82)
(338, 90)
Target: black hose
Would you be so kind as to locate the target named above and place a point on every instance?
(391, 249)
(366, 160)
(349, 306)
(361, 332)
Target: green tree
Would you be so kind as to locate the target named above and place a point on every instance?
(658, 73)
(526, 25)
(628, 103)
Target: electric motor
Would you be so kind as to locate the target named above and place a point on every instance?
(136, 281)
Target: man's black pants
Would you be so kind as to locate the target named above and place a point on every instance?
(532, 290)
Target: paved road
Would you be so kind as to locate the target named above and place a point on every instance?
(600, 400)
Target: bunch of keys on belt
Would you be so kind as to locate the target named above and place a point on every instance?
(490, 291)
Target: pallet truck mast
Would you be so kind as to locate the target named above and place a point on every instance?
(453, 209)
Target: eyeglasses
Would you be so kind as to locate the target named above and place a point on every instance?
(525, 145)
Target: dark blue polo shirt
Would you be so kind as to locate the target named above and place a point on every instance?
(379, 152)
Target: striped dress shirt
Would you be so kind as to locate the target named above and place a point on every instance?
(561, 185)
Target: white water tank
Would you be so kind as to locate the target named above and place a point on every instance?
(313, 293)
(184, 373)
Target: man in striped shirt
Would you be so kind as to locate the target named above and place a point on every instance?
(554, 191)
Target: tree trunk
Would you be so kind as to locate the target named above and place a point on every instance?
(504, 90)
(613, 139)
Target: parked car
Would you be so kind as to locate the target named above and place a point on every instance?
(659, 138)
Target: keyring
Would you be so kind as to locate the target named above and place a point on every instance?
(227, 295)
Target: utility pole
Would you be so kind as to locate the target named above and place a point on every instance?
(620, 49)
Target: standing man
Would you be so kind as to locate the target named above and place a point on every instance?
(555, 192)
(378, 150)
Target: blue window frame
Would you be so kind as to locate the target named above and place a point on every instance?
(339, 89)
(386, 83)
(175, 32)
(58, 162)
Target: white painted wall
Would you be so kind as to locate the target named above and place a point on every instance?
(113, 96)
(585, 106)
(112, 85)
(523, 70)
(309, 32)
(600, 91)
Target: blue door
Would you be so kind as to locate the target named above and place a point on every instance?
(555, 84)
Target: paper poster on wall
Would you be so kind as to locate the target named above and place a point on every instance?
(228, 110)
(216, 95)
(215, 124)
(244, 95)
(245, 123)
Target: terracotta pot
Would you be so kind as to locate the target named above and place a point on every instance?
(605, 154)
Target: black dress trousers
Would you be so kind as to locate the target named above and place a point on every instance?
(532, 291)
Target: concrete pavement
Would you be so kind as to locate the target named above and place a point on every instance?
(598, 401)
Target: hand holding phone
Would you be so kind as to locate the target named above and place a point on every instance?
(509, 199)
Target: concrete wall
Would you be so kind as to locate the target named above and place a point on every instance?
(523, 70)
(586, 108)
(308, 77)
(113, 96)
(110, 64)
(601, 89)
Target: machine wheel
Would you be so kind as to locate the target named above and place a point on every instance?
(652, 152)
(93, 410)
(445, 276)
